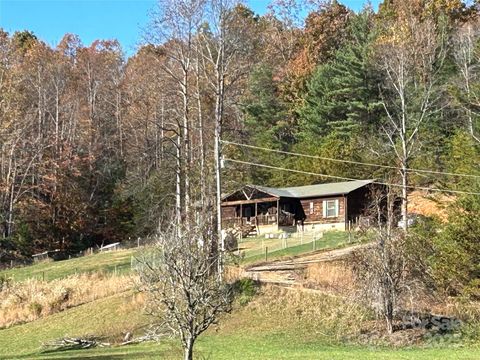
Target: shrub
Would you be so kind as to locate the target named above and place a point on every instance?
(36, 308)
(245, 290)
(5, 282)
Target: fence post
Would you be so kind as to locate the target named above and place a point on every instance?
(266, 253)
(138, 242)
(43, 275)
(349, 230)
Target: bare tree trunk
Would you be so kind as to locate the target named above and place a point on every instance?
(201, 136)
(178, 184)
(464, 54)
(404, 175)
(218, 164)
(186, 140)
(188, 351)
(218, 185)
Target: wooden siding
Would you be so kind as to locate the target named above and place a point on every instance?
(317, 215)
(228, 212)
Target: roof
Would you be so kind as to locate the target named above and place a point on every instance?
(318, 190)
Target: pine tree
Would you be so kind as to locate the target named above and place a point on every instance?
(267, 121)
(342, 95)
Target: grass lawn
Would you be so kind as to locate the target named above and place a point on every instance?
(225, 348)
(107, 262)
(254, 247)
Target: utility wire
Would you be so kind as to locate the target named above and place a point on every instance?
(350, 161)
(351, 179)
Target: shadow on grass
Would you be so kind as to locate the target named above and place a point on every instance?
(67, 354)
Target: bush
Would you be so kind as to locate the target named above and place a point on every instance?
(245, 290)
(449, 252)
(36, 308)
(5, 282)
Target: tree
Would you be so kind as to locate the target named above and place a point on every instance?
(342, 95)
(183, 287)
(455, 251)
(384, 269)
(410, 54)
(225, 52)
(266, 121)
(466, 52)
(173, 26)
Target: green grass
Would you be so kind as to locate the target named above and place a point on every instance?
(240, 347)
(112, 316)
(244, 335)
(50, 270)
(120, 260)
(277, 324)
(330, 240)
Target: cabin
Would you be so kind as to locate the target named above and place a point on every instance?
(331, 206)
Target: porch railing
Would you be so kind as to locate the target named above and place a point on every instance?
(259, 220)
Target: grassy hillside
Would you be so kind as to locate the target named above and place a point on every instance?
(255, 251)
(120, 261)
(277, 324)
(106, 262)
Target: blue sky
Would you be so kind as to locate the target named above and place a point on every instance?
(93, 19)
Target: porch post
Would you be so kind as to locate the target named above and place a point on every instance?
(256, 212)
(278, 213)
(241, 215)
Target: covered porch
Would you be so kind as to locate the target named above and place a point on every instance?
(259, 209)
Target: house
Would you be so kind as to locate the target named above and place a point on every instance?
(312, 207)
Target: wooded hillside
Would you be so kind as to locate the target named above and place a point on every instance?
(96, 147)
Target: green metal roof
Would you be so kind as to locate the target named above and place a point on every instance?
(318, 190)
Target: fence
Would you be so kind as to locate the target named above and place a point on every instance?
(267, 245)
(24, 272)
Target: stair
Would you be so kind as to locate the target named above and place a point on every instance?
(249, 230)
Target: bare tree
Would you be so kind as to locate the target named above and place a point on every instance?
(224, 56)
(467, 59)
(184, 290)
(174, 26)
(410, 55)
(384, 270)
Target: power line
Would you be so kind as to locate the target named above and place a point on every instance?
(352, 179)
(350, 161)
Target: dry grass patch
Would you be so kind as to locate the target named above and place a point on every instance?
(332, 277)
(33, 299)
(302, 314)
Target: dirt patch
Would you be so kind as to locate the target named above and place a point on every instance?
(420, 202)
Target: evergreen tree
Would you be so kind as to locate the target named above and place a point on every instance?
(342, 95)
(267, 122)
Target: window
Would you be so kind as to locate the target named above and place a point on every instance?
(312, 210)
(330, 208)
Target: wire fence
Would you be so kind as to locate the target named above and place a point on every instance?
(262, 247)
(250, 249)
(57, 269)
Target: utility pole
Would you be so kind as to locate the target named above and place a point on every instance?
(218, 180)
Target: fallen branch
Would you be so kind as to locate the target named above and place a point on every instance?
(153, 334)
(73, 344)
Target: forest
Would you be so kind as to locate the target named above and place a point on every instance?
(97, 147)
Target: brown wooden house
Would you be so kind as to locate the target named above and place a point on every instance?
(311, 207)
